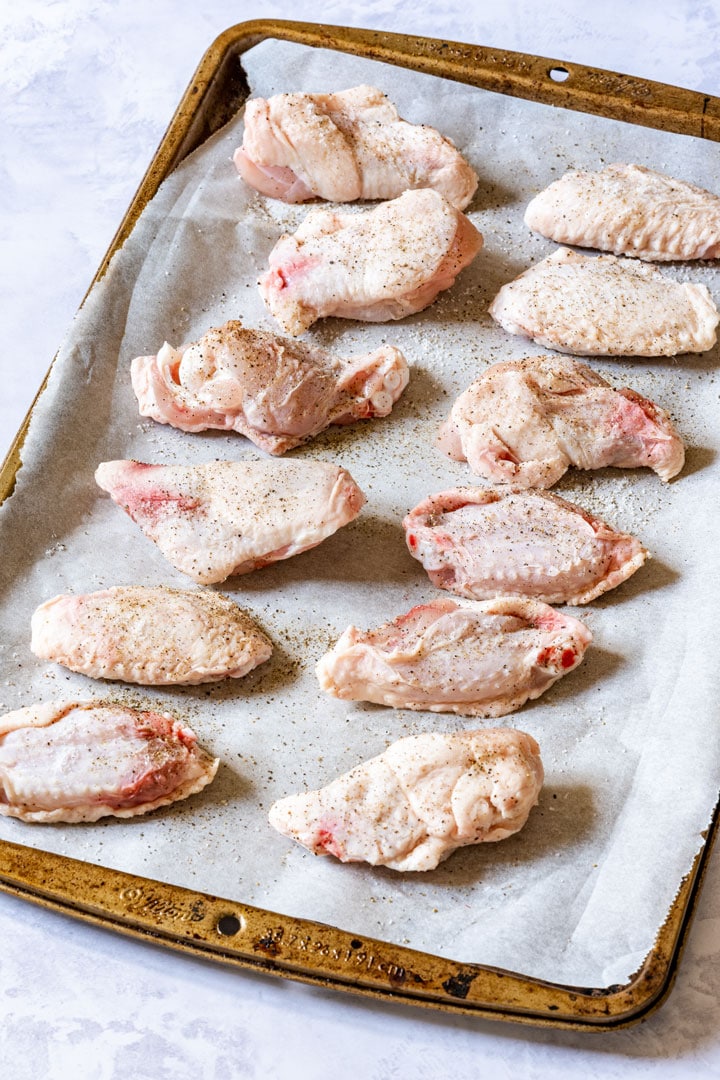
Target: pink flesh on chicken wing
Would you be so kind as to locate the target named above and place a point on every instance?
(150, 635)
(346, 146)
(277, 392)
(481, 543)
(226, 517)
(424, 797)
(605, 306)
(523, 422)
(629, 210)
(482, 659)
(372, 265)
(83, 760)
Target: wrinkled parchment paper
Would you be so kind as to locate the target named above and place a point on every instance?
(629, 740)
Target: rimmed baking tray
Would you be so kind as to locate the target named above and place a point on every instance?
(251, 937)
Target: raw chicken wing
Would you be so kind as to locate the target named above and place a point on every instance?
(372, 265)
(481, 543)
(277, 392)
(427, 795)
(346, 146)
(605, 306)
(149, 635)
(83, 760)
(629, 210)
(523, 422)
(228, 517)
(480, 659)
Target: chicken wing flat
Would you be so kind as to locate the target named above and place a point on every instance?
(83, 760)
(227, 517)
(629, 210)
(346, 146)
(480, 543)
(278, 393)
(373, 265)
(476, 659)
(523, 422)
(605, 306)
(424, 797)
(149, 635)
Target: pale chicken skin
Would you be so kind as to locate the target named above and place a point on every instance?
(424, 797)
(373, 265)
(482, 659)
(149, 635)
(226, 517)
(629, 210)
(83, 760)
(346, 146)
(605, 306)
(482, 543)
(524, 422)
(276, 392)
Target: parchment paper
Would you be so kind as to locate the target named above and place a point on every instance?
(629, 740)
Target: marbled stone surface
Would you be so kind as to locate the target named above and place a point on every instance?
(87, 90)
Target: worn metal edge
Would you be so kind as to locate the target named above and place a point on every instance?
(307, 951)
(585, 89)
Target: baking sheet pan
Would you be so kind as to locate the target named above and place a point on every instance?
(277, 944)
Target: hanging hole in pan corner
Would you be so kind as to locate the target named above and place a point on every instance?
(559, 74)
(229, 925)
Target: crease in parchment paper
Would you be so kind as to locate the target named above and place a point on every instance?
(629, 740)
